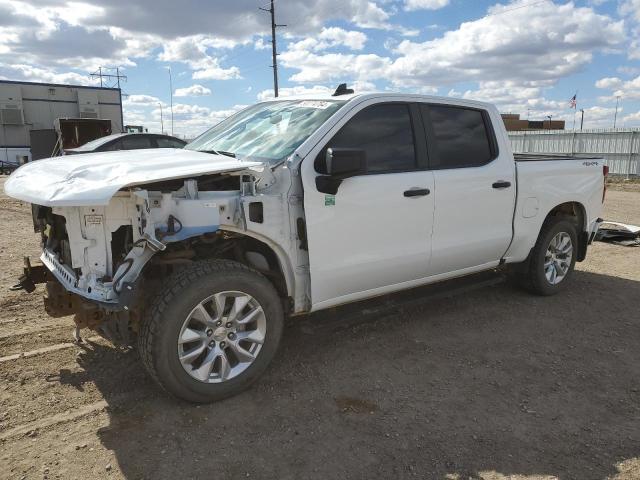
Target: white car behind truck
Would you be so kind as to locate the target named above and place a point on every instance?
(292, 206)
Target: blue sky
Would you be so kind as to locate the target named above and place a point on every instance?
(527, 56)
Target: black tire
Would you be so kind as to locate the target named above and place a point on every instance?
(531, 274)
(164, 317)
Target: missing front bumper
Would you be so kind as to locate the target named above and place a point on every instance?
(31, 276)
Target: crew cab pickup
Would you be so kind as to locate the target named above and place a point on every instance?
(291, 206)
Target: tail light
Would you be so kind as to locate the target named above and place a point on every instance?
(605, 172)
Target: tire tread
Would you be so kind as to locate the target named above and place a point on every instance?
(527, 276)
(175, 284)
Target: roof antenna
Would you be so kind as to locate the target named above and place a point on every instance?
(342, 90)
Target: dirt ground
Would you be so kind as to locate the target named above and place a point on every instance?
(489, 383)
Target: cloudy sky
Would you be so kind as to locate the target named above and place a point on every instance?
(528, 56)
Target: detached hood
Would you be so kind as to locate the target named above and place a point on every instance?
(93, 178)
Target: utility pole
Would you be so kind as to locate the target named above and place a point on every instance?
(171, 98)
(615, 117)
(161, 121)
(110, 77)
(549, 117)
(582, 118)
(274, 50)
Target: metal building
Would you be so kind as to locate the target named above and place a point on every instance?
(29, 113)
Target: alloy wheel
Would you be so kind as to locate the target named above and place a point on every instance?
(222, 336)
(557, 259)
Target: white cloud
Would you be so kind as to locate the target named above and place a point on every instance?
(332, 37)
(194, 51)
(540, 43)
(633, 118)
(298, 90)
(260, 44)
(196, 90)
(36, 74)
(188, 120)
(609, 83)
(630, 8)
(599, 117)
(629, 90)
(215, 72)
(141, 100)
(525, 98)
(368, 15)
(628, 70)
(411, 5)
(315, 68)
(41, 32)
(335, 36)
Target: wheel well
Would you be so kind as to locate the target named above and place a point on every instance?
(574, 212)
(233, 246)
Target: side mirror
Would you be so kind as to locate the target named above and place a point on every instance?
(340, 163)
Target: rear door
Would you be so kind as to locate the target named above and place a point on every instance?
(475, 188)
(376, 231)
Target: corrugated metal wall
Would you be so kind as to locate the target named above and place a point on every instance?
(620, 147)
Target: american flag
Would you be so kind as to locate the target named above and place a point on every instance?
(573, 103)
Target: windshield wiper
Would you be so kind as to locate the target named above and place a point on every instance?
(220, 152)
(228, 154)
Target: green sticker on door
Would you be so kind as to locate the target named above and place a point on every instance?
(329, 200)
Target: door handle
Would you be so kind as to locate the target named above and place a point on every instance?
(501, 184)
(417, 192)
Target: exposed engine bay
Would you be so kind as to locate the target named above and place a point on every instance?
(95, 255)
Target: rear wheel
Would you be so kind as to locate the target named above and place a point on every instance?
(211, 331)
(552, 259)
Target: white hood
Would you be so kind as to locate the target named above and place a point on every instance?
(93, 178)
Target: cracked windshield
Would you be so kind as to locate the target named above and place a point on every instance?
(267, 132)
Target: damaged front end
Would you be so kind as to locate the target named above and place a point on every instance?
(93, 256)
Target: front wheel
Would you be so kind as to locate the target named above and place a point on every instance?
(552, 259)
(211, 331)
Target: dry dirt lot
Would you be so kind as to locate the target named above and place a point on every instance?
(490, 383)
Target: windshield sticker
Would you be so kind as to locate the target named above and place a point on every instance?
(319, 104)
(329, 200)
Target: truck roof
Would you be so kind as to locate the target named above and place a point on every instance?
(386, 95)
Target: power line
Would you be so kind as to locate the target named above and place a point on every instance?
(531, 4)
(274, 50)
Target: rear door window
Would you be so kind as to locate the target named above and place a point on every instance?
(458, 137)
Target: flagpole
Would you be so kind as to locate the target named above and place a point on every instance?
(575, 109)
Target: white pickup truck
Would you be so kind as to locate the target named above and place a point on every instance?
(291, 206)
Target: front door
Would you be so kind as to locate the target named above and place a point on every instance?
(375, 233)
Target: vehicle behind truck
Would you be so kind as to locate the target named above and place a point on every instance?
(294, 205)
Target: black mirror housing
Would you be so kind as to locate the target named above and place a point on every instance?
(345, 162)
(340, 163)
